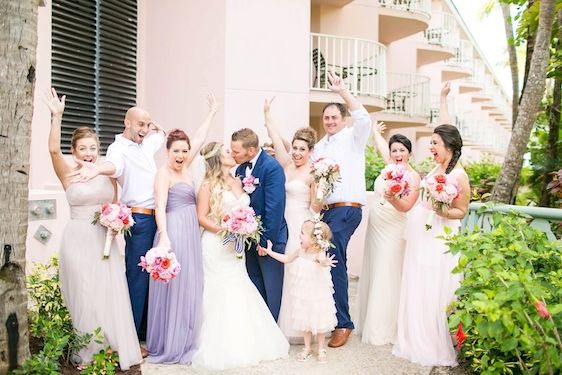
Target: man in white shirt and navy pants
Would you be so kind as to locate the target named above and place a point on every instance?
(346, 146)
(130, 159)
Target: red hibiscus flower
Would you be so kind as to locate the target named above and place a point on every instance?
(542, 310)
(126, 221)
(460, 335)
(165, 263)
(440, 178)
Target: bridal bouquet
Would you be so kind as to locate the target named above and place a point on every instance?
(397, 180)
(242, 226)
(161, 264)
(441, 192)
(326, 173)
(116, 217)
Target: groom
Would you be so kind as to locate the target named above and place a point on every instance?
(264, 180)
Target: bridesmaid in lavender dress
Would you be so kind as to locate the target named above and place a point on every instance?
(174, 309)
(300, 205)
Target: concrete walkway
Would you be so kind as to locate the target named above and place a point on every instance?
(354, 358)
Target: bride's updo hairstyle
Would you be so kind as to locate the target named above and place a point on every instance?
(452, 141)
(177, 135)
(214, 177)
(307, 135)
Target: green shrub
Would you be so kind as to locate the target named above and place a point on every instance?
(482, 176)
(50, 323)
(424, 167)
(510, 273)
(374, 164)
(105, 362)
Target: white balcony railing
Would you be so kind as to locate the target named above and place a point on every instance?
(442, 31)
(414, 6)
(435, 111)
(478, 76)
(360, 62)
(463, 56)
(408, 94)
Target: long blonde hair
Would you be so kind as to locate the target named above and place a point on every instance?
(214, 177)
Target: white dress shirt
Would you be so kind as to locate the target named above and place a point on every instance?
(253, 161)
(135, 168)
(347, 148)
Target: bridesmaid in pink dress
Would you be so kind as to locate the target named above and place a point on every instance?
(300, 205)
(428, 285)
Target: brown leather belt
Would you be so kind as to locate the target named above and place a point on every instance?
(142, 210)
(344, 204)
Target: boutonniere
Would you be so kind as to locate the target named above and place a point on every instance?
(250, 183)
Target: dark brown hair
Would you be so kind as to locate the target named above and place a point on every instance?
(402, 139)
(339, 106)
(452, 140)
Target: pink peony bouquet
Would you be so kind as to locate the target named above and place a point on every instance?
(397, 180)
(116, 217)
(242, 226)
(161, 264)
(326, 173)
(441, 192)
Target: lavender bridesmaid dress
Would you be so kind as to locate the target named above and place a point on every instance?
(174, 309)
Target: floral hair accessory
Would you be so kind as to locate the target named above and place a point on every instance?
(318, 233)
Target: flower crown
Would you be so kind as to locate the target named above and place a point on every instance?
(213, 151)
(322, 242)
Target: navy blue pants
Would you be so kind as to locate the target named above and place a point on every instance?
(137, 244)
(267, 275)
(342, 222)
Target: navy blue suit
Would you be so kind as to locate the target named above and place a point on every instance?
(268, 201)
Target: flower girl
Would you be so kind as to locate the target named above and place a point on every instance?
(313, 311)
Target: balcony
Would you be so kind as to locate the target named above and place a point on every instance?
(474, 82)
(440, 40)
(435, 114)
(360, 63)
(407, 100)
(459, 66)
(399, 19)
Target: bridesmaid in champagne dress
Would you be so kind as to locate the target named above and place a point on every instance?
(174, 309)
(428, 285)
(379, 284)
(94, 290)
(300, 205)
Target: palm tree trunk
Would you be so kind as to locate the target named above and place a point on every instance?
(530, 103)
(18, 42)
(512, 61)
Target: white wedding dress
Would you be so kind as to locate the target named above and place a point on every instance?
(238, 329)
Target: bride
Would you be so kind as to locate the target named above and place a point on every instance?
(238, 329)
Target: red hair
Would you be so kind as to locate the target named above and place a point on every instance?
(177, 135)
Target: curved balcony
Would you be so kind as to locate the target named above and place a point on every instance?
(407, 100)
(440, 40)
(399, 19)
(459, 66)
(360, 63)
(474, 82)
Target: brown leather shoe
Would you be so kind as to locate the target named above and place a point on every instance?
(339, 337)
(144, 352)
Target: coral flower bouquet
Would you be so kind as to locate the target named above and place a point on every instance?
(397, 180)
(116, 217)
(326, 173)
(241, 225)
(161, 264)
(441, 191)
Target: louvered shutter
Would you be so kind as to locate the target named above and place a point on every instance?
(94, 48)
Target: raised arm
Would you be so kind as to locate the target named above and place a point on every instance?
(337, 85)
(381, 145)
(56, 106)
(161, 186)
(444, 117)
(281, 153)
(203, 209)
(203, 130)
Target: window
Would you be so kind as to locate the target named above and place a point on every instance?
(94, 63)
